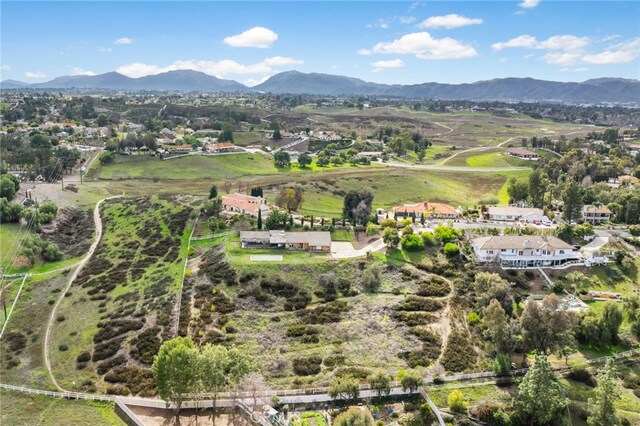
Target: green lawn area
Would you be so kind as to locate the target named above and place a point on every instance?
(9, 232)
(343, 235)
(324, 196)
(473, 394)
(18, 409)
(496, 159)
(246, 138)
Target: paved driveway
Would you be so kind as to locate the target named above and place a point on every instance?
(345, 250)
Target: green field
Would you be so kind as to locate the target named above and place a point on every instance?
(246, 138)
(18, 409)
(9, 234)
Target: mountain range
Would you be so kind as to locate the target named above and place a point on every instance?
(601, 90)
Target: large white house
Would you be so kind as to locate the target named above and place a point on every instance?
(514, 214)
(525, 251)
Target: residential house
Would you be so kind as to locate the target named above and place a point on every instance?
(431, 210)
(525, 251)
(596, 214)
(242, 203)
(311, 241)
(180, 149)
(522, 153)
(221, 147)
(514, 214)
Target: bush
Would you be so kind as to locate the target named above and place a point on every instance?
(473, 318)
(372, 278)
(582, 375)
(63, 348)
(412, 242)
(307, 366)
(451, 249)
(456, 402)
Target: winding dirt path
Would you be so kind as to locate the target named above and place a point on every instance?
(97, 220)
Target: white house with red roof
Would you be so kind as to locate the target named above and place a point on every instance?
(247, 204)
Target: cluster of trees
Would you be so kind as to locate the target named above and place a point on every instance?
(404, 143)
(290, 198)
(182, 370)
(35, 216)
(133, 141)
(38, 155)
(409, 240)
(357, 206)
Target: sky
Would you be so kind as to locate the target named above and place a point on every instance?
(384, 42)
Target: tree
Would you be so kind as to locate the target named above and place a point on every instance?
(227, 133)
(329, 283)
(10, 212)
(518, 189)
(357, 205)
(282, 159)
(106, 157)
(601, 329)
(401, 144)
(354, 416)
(573, 200)
(213, 192)
(212, 207)
(304, 159)
(390, 237)
(537, 187)
(446, 234)
(277, 135)
(7, 187)
(412, 242)
(631, 310)
(602, 411)
(290, 198)
(451, 249)
(275, 220)
(220, 368)
(372, 229)
(102, 120)
(257, 191)
(456, 402)
(410, 380)
(380, 383)
(501, 331)
(540, 397)
(372, 278)
(545, 327)
(491, 286)
(344, 387)
(176, 370)
(259, 219)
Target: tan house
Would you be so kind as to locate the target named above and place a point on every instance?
(431, 210)
(596, 214)
(242, 203)
(311, 241)
(522, 153)
(525, 251)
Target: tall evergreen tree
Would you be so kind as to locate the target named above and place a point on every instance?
(259, 219)
(573, 200)
(602, 411)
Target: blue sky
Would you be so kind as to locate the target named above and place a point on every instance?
(386, 42)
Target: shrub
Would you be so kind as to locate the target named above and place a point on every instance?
(582, 375)
(429, 239)
(372, 278)
(412, 242)
(456, 402)
(473, 318)
(451, 249)
(63, 348)
(83, 357)
(307, 366)
(459, 353)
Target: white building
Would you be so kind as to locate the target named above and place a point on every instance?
(514, 214)
(242, 203)
(596, 214)
(525, 251)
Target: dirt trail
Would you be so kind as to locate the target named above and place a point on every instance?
(47, 337)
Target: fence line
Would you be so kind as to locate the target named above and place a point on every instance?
(13, 305)
(127, 412)
(212, 236)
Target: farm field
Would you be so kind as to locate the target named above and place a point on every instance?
(129, 285)
(18, 409)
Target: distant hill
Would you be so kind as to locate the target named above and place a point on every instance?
(182, 80)
(612, 90)
(504, 89)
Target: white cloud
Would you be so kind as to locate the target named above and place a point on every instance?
(123, 40)
(621, 53)
(520, 41)
(259, 37)
(5, 67)
(382, 65)
(34, 74)
(364, 52)
(407, 19)
(611, 37)
(220, 69)
(254, 82)
(281, 61)
(80, 71)
(105, 49)
(558, 42)
(529, 4)
(579, 69)
(423, 46)
(449, 21)
(561, 58)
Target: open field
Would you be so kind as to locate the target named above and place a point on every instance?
(247, 138)
(18, 409)
(127, 288)
(458, 128)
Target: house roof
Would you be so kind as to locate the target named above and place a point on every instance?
(514, 211)
(221, 145)
(520, 242)
(426, 207)
(590, 208)
(313, 238)
(244, 202)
